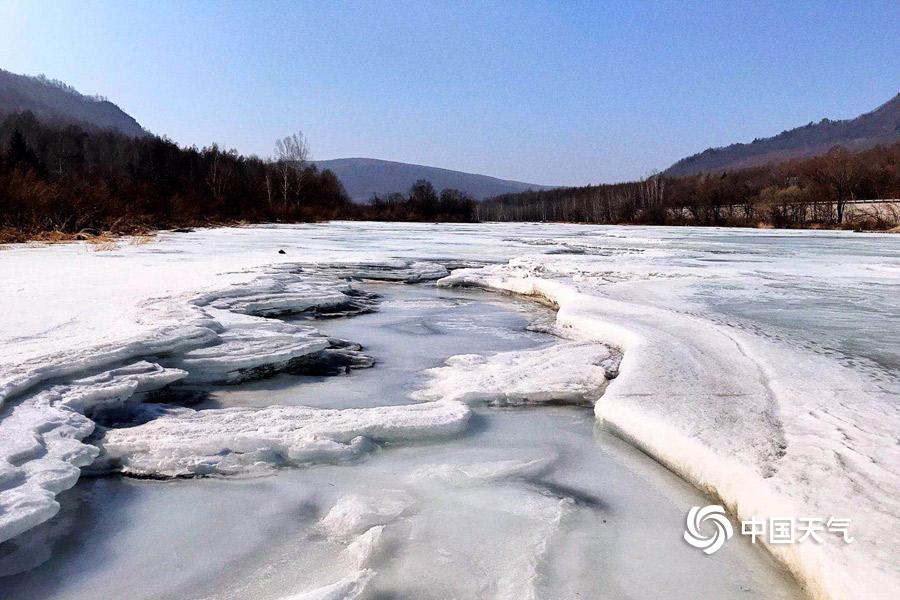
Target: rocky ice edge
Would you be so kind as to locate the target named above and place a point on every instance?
(249, 348)
(564, 373)
(41, 445)
(769, 431)
(224, 339)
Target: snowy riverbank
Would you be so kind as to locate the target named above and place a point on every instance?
(760, 366)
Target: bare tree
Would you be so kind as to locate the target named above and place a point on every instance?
(291, 156)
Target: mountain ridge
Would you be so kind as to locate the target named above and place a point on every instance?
(53, 101)
(362, 177)
(879, 126)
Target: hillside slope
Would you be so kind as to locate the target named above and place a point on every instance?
(881, 126)
(54, 102)
(363, 177)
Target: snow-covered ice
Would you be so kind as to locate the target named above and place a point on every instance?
(182, 441)
(41, 446)
(219, 336)
(762, 366)
(566, 373)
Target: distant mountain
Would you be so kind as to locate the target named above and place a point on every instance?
(881, 126)
(363, 177)
(55, 102)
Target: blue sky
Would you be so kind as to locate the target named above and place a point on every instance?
(546, 92)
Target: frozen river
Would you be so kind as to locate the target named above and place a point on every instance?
(753, 369)
(532, 501)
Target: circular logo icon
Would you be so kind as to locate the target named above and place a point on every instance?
(721, 533)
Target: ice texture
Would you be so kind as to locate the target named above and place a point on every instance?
(760, 365)
(220, 336)
(184, 442)
(355, 514)
(767, 429)
(346, 589)
(41, 449)
(248, 350)
(565, 373)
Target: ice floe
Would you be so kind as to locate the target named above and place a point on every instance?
(183, 442)
(564, 373)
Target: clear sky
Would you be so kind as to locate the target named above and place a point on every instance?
(545, 92)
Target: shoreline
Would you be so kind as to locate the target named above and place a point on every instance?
(741, 490)
(108, 240)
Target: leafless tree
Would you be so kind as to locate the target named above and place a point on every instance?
(291, 157)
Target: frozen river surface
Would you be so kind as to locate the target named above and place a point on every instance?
(528, 502)
(761, 367)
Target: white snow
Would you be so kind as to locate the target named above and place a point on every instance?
(761, 366)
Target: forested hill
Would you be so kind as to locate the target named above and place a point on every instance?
(54, 102)
(365, 177)
(881, 126)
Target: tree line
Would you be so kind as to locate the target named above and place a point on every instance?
(814, 191)
(422, 203)
(66, 178)
(69, 179)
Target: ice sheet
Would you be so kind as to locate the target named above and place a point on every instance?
(760, 365)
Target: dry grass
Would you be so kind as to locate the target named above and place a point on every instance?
(55, 237)
(141, 239)
(103, 242)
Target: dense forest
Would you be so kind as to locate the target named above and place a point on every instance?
(68, 179)
(820, 191)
